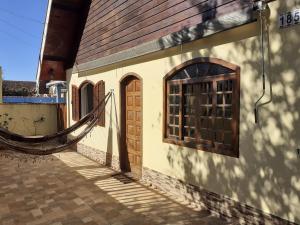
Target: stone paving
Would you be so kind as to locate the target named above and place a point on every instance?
(69, 189)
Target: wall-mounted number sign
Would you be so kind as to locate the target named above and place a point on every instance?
(289, 18)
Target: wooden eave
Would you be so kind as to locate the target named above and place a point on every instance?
(62, 33)
(67, 20)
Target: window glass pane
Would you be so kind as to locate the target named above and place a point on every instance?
(206, 134)
(189, 101)
(174, 99)
(171, 130)
(227, 124)
(203, 99)
(218, 137)
(185, 121)
(229, 86)
(219, 124)
(177, 120)
(171, 99)
(177, 99)
(210, 99)
(219, 112)
(228, 98)
(181, 75)
(220, 99)
(220, 86)
(188, 89)
(204, 123)
(171, 110)
(186, 132)
(176, 131)
(203, 111)
(189, 121)
(210, 123)
(228, 112)
(174, 110)
(216, 69)
(191, 71)
(192, 121)
(209, 111)
(206, 87)
(171, 120)
(201, 70)
(225, 86)
(174, 89)
(227, 138)
(192, 133)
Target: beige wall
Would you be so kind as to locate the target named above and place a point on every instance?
(267, 173)
(21, 117)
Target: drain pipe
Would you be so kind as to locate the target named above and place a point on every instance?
(261, 6)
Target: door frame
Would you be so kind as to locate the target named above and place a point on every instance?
(122, 153)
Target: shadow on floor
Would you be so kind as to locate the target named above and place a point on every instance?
(70, 189)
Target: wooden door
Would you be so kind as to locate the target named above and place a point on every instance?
(133, 126)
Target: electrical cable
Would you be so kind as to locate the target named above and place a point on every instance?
(18, 28)
(21, 16)
(28, 44)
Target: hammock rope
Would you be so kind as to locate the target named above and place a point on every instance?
(51, 150)
(91, 122)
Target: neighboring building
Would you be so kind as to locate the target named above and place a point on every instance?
(25, 92)
(18, 88)
(186, 76)
(1, 75)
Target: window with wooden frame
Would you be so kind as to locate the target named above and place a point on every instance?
(75, 103)
(86, 93)
(99, 95)
(201, 106)
(86, 98)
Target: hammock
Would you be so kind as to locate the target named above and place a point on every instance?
(4, 133)
(19, 146)
(50, 150)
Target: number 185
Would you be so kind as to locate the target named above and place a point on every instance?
(289, 18)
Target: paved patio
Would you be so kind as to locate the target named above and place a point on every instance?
(69, 189)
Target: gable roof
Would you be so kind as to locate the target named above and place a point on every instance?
(61, 35)
(68, 21)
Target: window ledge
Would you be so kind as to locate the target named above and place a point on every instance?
(200, 147)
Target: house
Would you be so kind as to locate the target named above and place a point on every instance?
(206, 99)
(18, 88)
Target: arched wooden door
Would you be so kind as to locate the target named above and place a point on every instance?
(131, 156)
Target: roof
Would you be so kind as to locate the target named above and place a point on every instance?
(60, 38)
(65, 23)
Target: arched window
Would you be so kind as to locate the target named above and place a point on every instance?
(86, 97)
(202, 106)
(86, 92)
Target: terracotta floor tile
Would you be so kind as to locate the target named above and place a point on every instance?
(69, 189)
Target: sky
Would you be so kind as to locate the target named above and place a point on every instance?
(21, 30)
